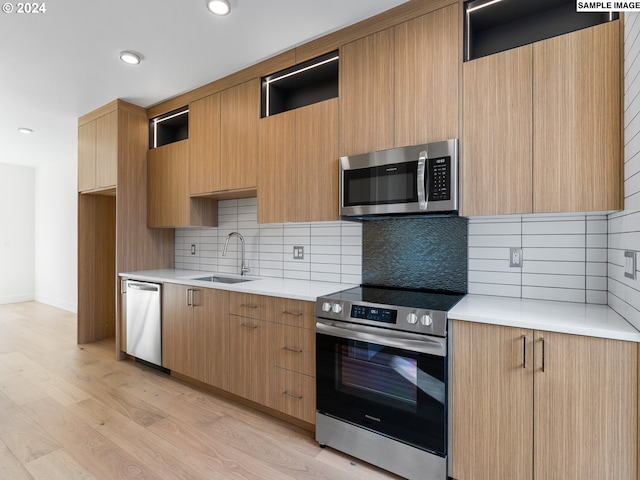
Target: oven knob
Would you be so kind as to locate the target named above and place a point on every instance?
(426, 320)
(412, 318)
(326, 307)
(337, 308)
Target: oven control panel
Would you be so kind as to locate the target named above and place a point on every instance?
(400, 318)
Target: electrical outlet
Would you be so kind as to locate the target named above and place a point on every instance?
(630, 264)
(193, 249)
(515, 257)
(298, 253)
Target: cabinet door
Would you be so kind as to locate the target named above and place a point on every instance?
(239, 115)
(426, 78)
(316, 178)
(177, 329)
(367, 94)
(586, 408)
(249, 365)
(204, 145)
(211, 337)
(87, 156)
(576, 147)
(276, 183)
(497, 138)
(492, 402)
(107, 150)
(168, 196)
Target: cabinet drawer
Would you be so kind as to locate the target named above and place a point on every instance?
(249, 305)
(297, 313)
(294, 394)
(294, 348)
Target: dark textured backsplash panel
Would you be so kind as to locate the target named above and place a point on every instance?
(429, 252)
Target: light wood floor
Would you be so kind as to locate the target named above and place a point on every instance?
(72, 411)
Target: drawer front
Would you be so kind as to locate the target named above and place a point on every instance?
(294, 348)
(249, 305)
(294, 394)
(297, 313)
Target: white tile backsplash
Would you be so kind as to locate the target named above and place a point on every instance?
(563, 257)
(332, 250)
(624, 227)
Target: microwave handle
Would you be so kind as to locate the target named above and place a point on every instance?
(423, 186)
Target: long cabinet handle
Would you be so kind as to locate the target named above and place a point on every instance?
(297, 397)
(189, 297)
(543, 354)
(524, 351)
(295, 314)
(248, 305)
(252, 327)
(193, 297)
(288, 349)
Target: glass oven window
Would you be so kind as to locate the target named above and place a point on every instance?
(368, 371)
(396, 392)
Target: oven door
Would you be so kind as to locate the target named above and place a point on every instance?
(392, 383)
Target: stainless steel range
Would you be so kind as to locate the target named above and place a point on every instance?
(381, 368)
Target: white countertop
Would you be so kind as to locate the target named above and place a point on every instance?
(275, 287)
(564, 317)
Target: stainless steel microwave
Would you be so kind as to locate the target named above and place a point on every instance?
(421, 179)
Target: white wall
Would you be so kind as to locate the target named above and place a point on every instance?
(332, 250)
(624, 227)
(16, 233)
(56, 232)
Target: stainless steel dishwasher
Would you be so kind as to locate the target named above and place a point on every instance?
(143, 320)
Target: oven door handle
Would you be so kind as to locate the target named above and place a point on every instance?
(390, 338)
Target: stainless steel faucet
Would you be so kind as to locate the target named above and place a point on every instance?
(245, 266)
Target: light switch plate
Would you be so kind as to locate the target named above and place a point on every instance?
(298, 253)
(193, 249)
(515, 257)
(630, 264)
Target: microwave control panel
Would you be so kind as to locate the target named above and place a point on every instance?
(439, 174)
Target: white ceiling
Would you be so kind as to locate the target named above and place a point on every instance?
(58, 65)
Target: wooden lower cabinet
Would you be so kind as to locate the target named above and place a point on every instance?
(249, 367)
(538, 405)
(195, 333)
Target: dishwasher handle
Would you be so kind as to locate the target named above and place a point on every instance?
(149, 287)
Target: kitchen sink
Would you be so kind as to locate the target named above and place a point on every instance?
(221, 279)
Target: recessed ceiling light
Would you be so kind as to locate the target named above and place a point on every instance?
(131, 58)
(25, 130)
(219, 7)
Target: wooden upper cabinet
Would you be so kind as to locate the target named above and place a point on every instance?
(276, 181)
(87, 156)
(426, 78)
(168, 196)
(498, 129)
(107, 150)
(240, 112)
(577, 121)
(204, 145)
(317, 170)
(98, 152)
(298, 179)
(168, 200)
(367, 94)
